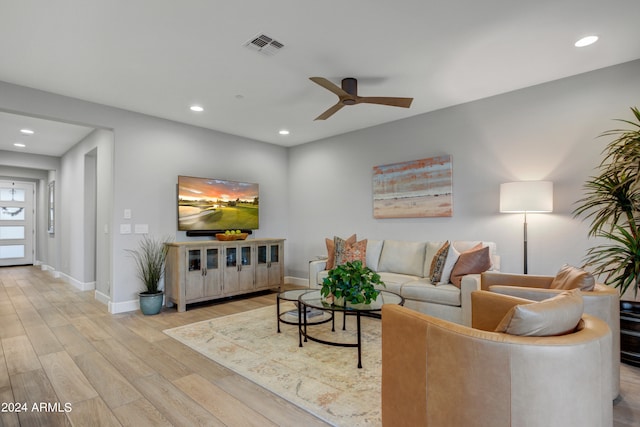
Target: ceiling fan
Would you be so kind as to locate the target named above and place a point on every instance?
(348, 95)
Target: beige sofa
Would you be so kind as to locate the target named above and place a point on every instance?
(467, 377)
(603, 302)
(404, 267)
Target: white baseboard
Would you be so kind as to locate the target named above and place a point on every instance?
(298, 281)
(102, 297)
(83, 286)
(123, 307)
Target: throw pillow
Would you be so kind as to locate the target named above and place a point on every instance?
(346, 252)
(554, 316)
(452, 257)
(474, 261)
(439, 260)
(570, 277)
(331, 250)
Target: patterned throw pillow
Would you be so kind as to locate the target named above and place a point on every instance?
(331, 249)
(348, 252)
(439, 260)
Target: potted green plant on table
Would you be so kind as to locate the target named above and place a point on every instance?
(150, 257)
(351, 283)
(612, 204)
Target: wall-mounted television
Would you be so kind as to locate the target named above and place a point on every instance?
(207, 204)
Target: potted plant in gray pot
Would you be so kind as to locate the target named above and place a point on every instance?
(351, 282)
(150, 257)
(612, 204)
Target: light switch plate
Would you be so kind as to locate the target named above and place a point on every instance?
(125, 228)
(141, 228)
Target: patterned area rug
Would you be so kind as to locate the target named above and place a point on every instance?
(321, 379)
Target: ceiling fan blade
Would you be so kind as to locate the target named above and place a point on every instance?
(383, 100)
(329, 86)
(330, 112)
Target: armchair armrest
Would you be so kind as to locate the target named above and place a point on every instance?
(315, 267)
(469, 283)
(491, 278)
(488, 308)
(533, 294)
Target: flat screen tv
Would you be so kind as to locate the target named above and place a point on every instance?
(207, 204)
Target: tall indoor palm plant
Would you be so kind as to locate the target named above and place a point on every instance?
(612, 204)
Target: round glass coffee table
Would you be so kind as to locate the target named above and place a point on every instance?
(313, 299)
(292, 317)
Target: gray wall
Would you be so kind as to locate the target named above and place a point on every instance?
(148, 155)
(324, 188)
(546, 132)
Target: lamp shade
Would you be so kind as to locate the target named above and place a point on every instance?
(526, 196)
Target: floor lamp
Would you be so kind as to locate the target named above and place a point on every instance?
(526, 197)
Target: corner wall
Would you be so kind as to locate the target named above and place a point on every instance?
(545, 132)
(148, 155)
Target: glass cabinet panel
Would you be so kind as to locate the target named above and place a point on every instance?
(274, 253)
(246, 255)
(231, 257)
(262, 254)
(194, 259)
(212, 259)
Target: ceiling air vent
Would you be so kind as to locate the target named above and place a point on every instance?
(264, 44)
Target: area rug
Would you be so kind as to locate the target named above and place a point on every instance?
(323, 380)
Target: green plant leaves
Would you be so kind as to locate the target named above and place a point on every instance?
(353, 282)
(612, 204)
(149, 259)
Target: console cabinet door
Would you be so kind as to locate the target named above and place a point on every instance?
(213, 273)
(268, 265)
(194, 287)
(239, 268)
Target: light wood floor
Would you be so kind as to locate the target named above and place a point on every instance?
(59, 346)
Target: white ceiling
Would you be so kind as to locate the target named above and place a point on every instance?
(160, 56)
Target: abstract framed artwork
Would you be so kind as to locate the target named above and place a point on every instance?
(415, 189)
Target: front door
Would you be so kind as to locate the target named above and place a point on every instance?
(16, 223)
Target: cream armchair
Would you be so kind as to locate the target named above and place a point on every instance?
(603, 302)
(442, 374)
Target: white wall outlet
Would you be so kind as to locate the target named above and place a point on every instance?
(127, 214)
(125, 228)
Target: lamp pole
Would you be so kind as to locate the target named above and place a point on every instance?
(525, 242)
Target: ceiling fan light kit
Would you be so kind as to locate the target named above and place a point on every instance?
(348, 95)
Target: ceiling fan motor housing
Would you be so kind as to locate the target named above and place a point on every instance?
(350, 85)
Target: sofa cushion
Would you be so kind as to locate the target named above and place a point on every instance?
(424, 290)
(570, 277)
(393, 281)
(554, 316)
(438, 263)
(331, 250)
(402, 257)
(473, 261)
(374, 249)
(349, 252)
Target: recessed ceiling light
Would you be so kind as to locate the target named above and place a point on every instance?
(284, 132)
(26, 131)
(19, 144)
(196, 108)
(586, 41)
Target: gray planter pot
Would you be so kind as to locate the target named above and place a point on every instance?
(151, 303)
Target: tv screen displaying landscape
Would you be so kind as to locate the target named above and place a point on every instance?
(217, 204)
